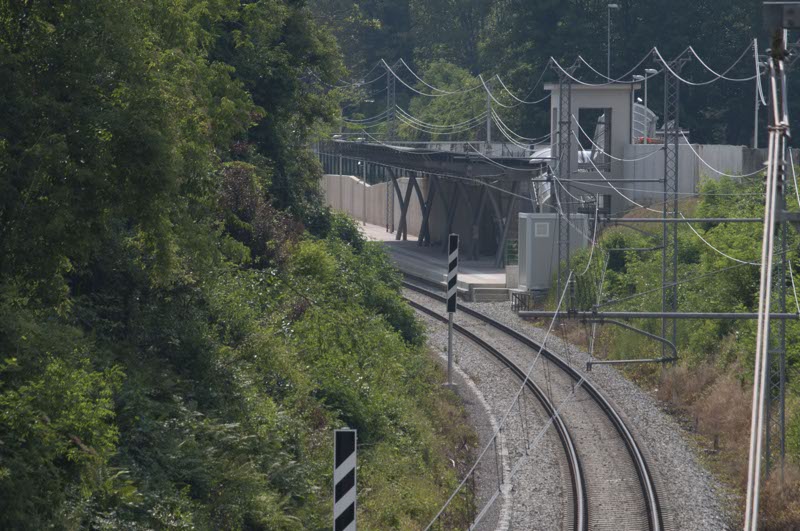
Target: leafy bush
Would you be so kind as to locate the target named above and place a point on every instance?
(176, 346)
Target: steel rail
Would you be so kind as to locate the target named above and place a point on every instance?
(580, 507)
(647, 483)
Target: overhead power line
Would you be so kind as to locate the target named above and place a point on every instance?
(444, 92)
(522, 101)
(712, 168)
(716, 77)
(624, 78)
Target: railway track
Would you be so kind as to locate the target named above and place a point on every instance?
(612, 487)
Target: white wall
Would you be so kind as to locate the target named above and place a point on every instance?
(734, 160)
(349, 194)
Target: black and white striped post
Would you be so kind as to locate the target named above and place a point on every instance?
(452, 294)
(344, 480)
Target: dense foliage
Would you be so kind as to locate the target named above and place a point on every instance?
(182, 323)
(709, 281)
(515, 39)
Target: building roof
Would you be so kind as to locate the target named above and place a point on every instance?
(626, 87)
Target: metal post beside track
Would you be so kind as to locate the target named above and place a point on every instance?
(452, 295)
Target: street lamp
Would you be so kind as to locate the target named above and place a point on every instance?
(649, 72)
(636, 78)
(608, 47)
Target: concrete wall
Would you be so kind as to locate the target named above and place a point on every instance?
(349, 194)
(734, 160)
(647, 164)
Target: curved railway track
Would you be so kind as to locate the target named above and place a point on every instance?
(579, 513)
(612, 486)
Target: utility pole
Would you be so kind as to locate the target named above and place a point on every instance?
(560, 189)
(364, 190)
(770, 360)
(669, 250)
(488, 121)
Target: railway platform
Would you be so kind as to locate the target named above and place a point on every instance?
(478, 280)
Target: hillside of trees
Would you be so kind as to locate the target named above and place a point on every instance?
(183, 323)
(515, 40)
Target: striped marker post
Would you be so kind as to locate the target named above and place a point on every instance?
(344, 480)
(452, 294)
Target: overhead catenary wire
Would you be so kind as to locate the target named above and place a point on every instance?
(622, 79)
(522, 101)
(594, 239)
(431, 131)
(495, 163)
(512, 132)
(578, 199)
(612, 184)
(709, 81)
(559, 209)
(690, 194)
(759, 86)
(489, 93)
(364, 126)
(794, 177)
(593, 69)
(441, 128)
(502, 422)
(794, 288)
(659, 212)
(409, 87)
(609, 154)
(715, 249)
(479, 118)
(723, 75)
(660, 288)
(505, 133)
(357, 83)
(533, 444)
(482, 181)
(444, 92)
(712, 168)
(364, 120)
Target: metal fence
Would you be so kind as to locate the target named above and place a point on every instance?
(522, 301)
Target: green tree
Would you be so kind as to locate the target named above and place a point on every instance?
(446, 110)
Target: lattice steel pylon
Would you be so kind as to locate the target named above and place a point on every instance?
(560, 189)
(391, 102)
(669, 251)
(387, 181)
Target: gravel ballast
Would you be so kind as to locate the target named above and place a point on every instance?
(691, 497)
(536, 497)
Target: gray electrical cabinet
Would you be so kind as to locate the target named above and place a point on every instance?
(538, 247)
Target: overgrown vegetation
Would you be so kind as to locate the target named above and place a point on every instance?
(183, 323)
(710, 388)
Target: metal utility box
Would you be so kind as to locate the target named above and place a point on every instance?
(538, 247)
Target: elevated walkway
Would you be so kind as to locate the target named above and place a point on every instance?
(478, 280)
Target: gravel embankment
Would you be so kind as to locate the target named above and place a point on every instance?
(691, 497)
(529, 503)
